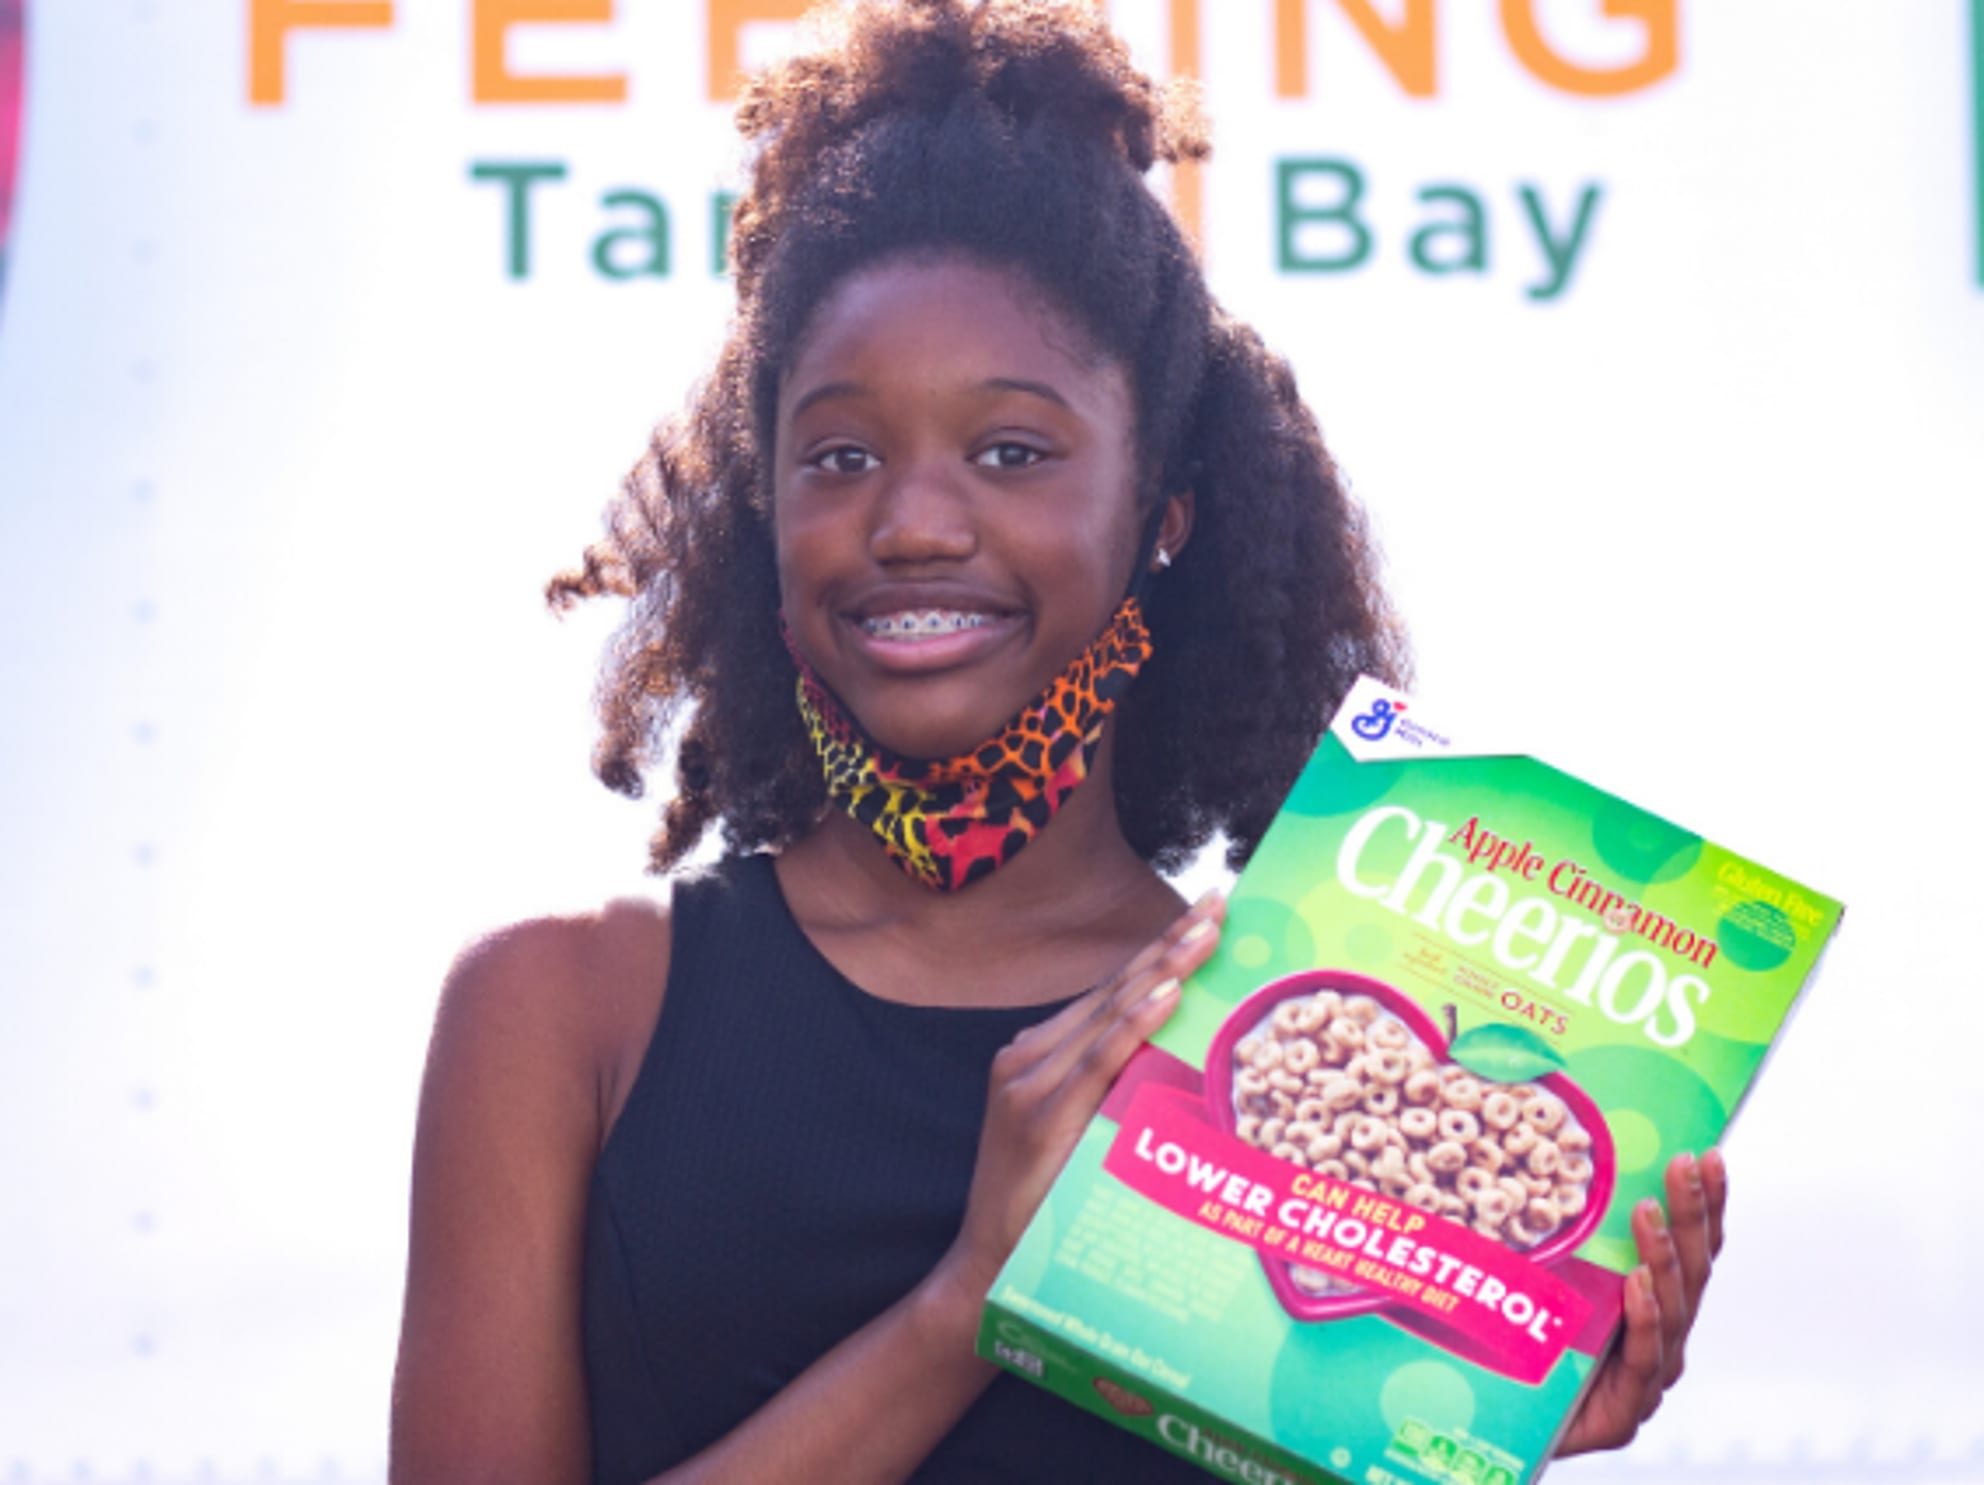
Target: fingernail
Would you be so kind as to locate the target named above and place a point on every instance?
(1163, 992)
(1207, 899)
(1694, 1175)
(1196, 932)
(1654, 1215)
(1643, 1276)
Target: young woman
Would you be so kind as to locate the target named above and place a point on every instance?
(992, 570)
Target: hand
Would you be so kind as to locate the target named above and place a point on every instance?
(1663, 1296)
(1047, 1084)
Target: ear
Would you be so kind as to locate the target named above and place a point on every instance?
(1174, 528)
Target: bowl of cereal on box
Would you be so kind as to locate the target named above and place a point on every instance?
(1346, 1077)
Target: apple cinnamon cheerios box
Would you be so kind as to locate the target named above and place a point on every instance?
(1360, 1213)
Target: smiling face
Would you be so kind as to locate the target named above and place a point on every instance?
(954, 498)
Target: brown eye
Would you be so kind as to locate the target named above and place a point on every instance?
(1008, 455)
(844, 458)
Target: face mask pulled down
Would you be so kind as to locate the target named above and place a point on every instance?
(949, 822)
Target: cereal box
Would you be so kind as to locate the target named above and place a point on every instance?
(1360, 1211)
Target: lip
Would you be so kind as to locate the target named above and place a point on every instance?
(903, 656)
(895, 598)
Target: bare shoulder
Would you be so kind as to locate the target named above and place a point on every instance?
(565, 1003)
(563, 963)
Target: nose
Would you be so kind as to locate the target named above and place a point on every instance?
(923, 515)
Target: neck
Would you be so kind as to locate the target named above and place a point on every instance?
(1079, 879)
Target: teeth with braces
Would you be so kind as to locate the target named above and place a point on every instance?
(923, 623)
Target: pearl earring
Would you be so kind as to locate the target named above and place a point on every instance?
(1163, 559)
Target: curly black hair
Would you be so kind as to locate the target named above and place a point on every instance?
(1018, 134)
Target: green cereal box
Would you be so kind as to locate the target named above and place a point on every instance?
(1359, 1213)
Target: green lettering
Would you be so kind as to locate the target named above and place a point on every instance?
(1560, 256)
(1469, 230)
(650, 233)
(1292, 214)
(518, 177)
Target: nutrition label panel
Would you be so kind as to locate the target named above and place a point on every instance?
(1180, 1271)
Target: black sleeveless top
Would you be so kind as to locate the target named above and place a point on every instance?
(792, 1159)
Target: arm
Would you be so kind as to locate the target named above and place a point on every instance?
(490, 1385)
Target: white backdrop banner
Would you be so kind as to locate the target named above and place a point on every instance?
(1652, 332)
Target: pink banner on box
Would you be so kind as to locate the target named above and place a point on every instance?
(1520, 1317)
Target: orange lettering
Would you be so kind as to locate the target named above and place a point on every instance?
(271, 21)
(1187, 182)
(1291, 49)
(727, 20)
(1661, 57)
(490, 22)
(1407, 49)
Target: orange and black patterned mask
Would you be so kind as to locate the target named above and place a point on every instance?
(950, 821)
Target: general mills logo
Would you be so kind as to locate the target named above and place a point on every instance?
(1376, 724)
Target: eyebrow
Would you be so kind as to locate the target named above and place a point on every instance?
(830, 389)
(996, 384)
(1037, 389)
